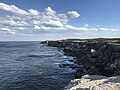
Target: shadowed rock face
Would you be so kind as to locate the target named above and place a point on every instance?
(97, 56)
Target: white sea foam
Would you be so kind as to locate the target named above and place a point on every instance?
(68, 57)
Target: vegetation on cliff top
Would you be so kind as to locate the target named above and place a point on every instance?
(109, 40)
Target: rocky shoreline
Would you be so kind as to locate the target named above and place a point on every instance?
(97, 56)
(94, 82)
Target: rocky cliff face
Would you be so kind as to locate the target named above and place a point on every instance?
(97, 56)
(94, 82)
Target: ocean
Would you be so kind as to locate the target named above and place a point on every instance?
(31, 66)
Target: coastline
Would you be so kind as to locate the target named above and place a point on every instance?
(97, 56)
(94, 82)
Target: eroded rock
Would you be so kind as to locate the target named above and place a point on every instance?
(94, 82)
(102, 54)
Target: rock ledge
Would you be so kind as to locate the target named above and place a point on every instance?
(94, 82)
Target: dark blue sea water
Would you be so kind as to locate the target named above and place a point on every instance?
(31, 66)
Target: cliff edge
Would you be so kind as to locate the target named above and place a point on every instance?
(98, 56)
(100, 59)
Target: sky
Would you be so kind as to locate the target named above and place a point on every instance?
(36, 20)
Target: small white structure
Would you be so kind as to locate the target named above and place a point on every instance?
(92, 50)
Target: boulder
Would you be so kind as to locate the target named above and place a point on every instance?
(80, 72)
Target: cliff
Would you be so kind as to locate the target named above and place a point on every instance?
(98, 56)
(100, 59)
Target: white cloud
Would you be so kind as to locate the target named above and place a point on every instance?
(41, 28)
(108, 29)
(105, 29)
(14, 23)
(19, 28)
(33, 12)
(71, 27)
(12, 8)
(5, 29)
(49, 11)
(12, 32)
(45, 28)
(52, 23)
(86, 25)
(32, 21)
(72, 14)
(36, 22)
(36, 27)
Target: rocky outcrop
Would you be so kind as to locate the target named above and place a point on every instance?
(94, 82)
(99, 56)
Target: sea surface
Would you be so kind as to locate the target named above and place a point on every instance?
(31, 66)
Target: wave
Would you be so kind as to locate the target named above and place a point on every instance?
(29, 57)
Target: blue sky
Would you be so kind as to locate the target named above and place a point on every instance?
(59, 19)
